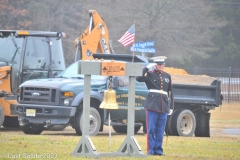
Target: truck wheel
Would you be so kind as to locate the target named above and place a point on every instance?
(168, 130)
(94, 122)
(169, 127)
(144, 127)
(32, 129)
(183, 123)
(123, 129)
(2, 116)
(202, 124)
(59, 127)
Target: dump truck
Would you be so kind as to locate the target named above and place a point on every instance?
(60, 101)
(194, 97)
(26, 55)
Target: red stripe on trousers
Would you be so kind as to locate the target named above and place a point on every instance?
(147, 129)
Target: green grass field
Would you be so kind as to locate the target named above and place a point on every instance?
(224, 142)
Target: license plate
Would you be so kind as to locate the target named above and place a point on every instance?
(31, 112)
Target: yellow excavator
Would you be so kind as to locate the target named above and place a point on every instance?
(95, 38)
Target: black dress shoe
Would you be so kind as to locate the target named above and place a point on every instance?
(160, 154)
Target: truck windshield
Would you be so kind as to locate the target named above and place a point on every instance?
(37, 55)
(57, 55)
(37, 60)
(72, 72)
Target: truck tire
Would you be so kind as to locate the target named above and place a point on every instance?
(2, 116)
(144, 127)
(183, 123)
(94, 122)
(202, 124)
(11, 122)
(32, 128)
(123, 129)
(169, 126)
(59, 127)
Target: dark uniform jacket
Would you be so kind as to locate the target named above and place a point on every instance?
(158, 81)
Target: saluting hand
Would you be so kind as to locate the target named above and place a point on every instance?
(150, 65)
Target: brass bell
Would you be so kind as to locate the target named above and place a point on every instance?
(109, 99)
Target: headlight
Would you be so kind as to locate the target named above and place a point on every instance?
(66, 102)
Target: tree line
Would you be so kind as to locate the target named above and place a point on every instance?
(189, 32)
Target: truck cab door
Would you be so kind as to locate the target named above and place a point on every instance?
(10, 59)
(122, 92)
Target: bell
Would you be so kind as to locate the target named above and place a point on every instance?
(109, 100)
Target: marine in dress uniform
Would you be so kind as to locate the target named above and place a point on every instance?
(159, 103)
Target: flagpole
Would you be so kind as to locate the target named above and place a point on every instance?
(133, 43)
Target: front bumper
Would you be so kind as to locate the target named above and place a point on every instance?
(50, 115)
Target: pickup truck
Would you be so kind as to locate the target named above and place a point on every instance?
(59, 101)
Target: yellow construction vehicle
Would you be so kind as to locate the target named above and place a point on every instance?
(95, 38)
(29, 55)
(25, 55)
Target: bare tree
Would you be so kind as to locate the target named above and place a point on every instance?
(181, 29)
(11, 15)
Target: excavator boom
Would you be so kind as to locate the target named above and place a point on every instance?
(95, 38)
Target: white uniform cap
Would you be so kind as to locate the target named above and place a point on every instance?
(159, 59)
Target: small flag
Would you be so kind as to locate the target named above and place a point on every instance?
(128, 38)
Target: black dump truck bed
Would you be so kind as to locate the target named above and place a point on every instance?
(194, 89)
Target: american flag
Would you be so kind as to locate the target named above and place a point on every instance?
(128, 38)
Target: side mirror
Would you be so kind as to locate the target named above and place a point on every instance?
(115, 82)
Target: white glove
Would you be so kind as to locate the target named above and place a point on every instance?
(170, 112)
(150, 65)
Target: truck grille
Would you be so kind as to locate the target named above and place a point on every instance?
(39, 95)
